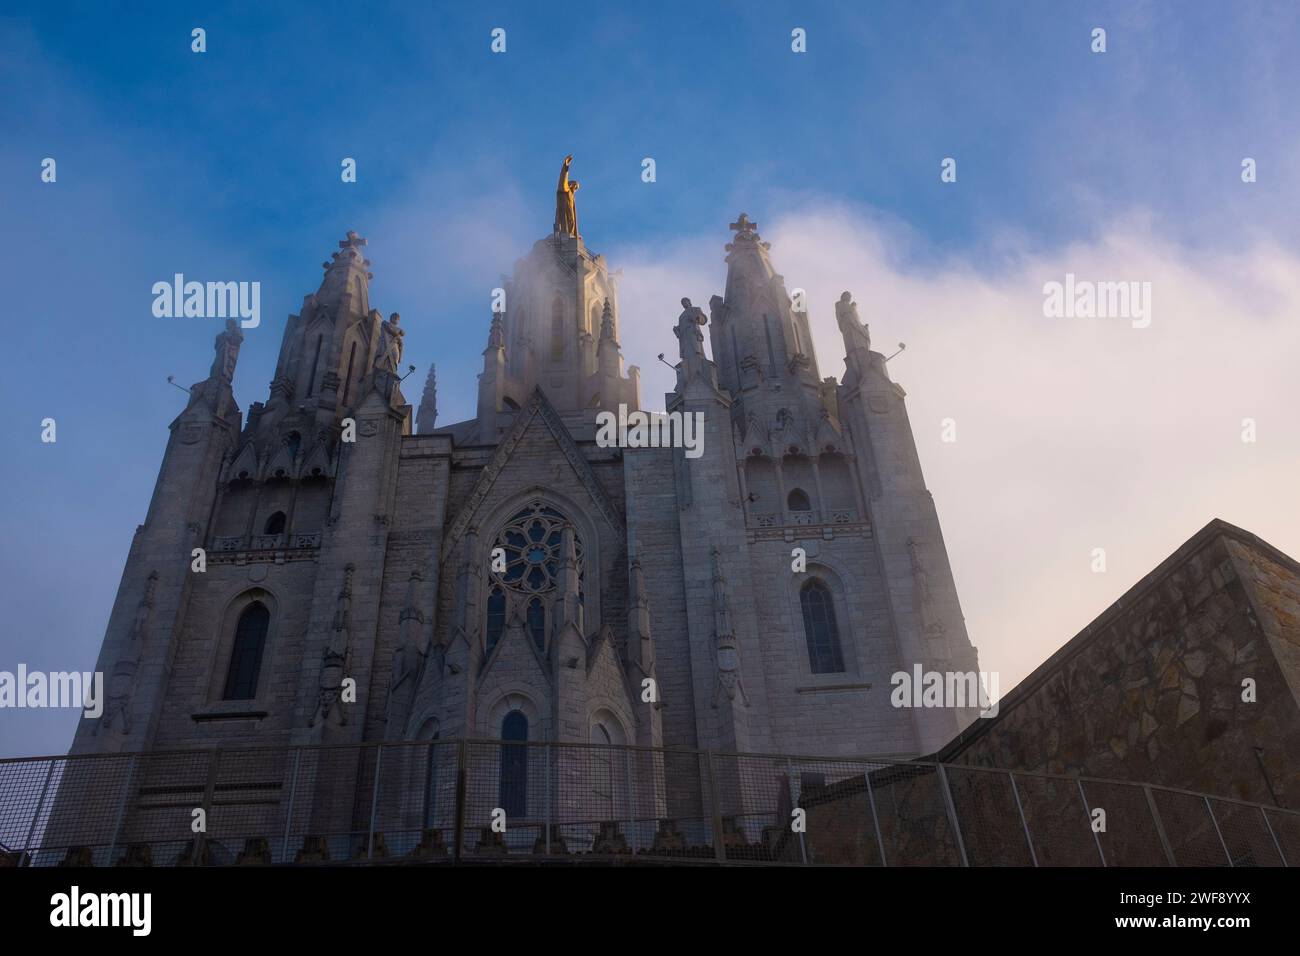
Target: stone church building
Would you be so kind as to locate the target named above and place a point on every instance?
(337, 567)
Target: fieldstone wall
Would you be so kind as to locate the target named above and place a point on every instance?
(1159, 688)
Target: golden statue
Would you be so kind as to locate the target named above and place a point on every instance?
(566, 209)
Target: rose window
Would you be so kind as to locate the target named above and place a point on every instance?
(532, 541)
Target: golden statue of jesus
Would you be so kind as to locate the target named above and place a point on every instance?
(566, 208)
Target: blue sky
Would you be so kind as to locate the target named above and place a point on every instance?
(225, 165)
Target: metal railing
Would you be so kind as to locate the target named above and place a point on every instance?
(455, 801)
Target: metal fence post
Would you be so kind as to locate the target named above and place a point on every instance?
(458, 838)
(546, 819)
(1277, 845)
(794, 802)
(288, 817)
(952, 815)
(1087, 817)
(121, 810)
(719, 852)
(1160, 827)
(875, 819)
(1029, 842)
(633, 826)
(374, 802)
(1210, 810)
(40, 806)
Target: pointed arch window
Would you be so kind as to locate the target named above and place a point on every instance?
(798, 500)
(820, 628)
(513, 788)
(246, 657)
(347, 379)
(496, 617)
(602, 772)
(315, 364)
(275, 524)
(537, 623)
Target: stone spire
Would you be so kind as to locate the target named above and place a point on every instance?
(763, 329)
(330, 352)
(496, 334)
(607, 325)
(492, 382)
(640, 648)
(559, 326)
(428, 412)
(343, 298)
(334, 659)
(568, 602)
(609, 362)
(342, 272)
(762, 344)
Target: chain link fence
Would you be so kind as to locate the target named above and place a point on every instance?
(464, 801)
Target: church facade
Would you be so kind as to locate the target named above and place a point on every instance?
(336, 567)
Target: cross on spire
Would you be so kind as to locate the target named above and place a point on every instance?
(744, 228)
(353, 241)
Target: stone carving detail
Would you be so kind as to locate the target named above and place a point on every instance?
(746, 231)
(690, 340)
(388, 356)
(640, 649)
(408, 655)
(725, 646)
(227, 348)
(428, 414)
(856, 335)
(334, 660)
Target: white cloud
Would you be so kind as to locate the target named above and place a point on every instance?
(1072, 433)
